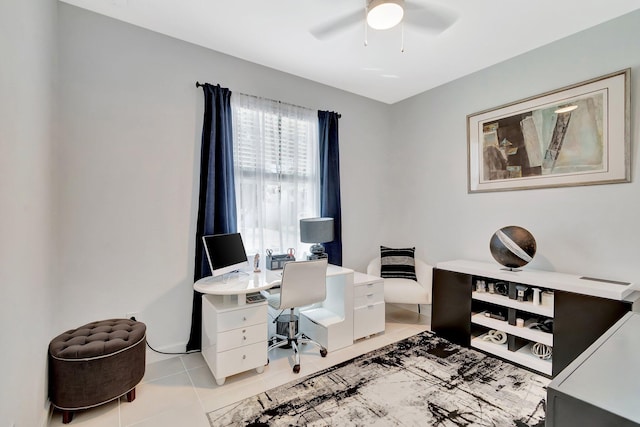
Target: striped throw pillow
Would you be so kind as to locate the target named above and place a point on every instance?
(397, 263)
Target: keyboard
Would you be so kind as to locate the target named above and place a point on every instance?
(255, 297)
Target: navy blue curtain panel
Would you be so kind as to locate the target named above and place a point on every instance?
(217, 201)
(330, 181)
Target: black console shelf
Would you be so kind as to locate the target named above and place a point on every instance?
(580, 312)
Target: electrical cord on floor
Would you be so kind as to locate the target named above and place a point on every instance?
(177, 353)
(165, 352)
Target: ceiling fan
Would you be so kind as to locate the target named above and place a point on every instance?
(385, 14)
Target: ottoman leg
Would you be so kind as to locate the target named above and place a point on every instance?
(67, 416)
(131, 395)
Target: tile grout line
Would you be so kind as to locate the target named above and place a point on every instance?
(195, 390)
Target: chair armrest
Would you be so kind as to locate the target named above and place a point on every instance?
(424, 274)
(373, 269)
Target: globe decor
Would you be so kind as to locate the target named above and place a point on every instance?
(513, 246)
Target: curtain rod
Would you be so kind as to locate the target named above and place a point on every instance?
(198, 84)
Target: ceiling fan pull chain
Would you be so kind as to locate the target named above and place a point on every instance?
(402, 39)
(366, 42)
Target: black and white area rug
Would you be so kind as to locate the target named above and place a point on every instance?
(420, 381)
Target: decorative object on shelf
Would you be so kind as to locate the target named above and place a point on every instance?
(542, 351)
(498, 315)
(316, 231)
(521, 293)
(536, 296)
(577, 135)
(491, 287)
(513, 246)
(547, 298)
(545, 325)
(256, 263)
(502, 288)
(481, 286)
(520, 322)
(496, 337)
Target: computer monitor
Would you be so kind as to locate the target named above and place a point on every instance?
(225, 253)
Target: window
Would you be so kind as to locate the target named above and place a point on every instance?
(275, 150)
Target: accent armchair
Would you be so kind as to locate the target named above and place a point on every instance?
(406, 291)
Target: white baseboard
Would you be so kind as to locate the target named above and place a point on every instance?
(47, 414)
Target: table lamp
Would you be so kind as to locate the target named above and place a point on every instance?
(316, 231)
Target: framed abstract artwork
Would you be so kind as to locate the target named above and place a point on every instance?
(577, 135)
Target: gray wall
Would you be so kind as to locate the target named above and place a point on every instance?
(590, 230)
(27, 78)
(128, 167)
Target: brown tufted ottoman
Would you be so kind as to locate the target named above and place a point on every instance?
(96, 363)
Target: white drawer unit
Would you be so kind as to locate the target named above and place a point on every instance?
(241, 317)
(247, 335)
(368, 320)
(368, 307)
(234, 337)
(245, 358)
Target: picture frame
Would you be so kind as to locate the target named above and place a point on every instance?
(576, 135)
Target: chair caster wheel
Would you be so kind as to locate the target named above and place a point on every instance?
(267, 362)
(296, 369)
(323, 352)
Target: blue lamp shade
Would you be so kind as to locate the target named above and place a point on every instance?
(318, 231)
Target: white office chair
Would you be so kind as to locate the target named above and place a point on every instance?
(303, 283)
(406, 291)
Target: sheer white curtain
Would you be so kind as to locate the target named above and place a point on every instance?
(275, 149)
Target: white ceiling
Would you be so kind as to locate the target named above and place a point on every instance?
(276, 33)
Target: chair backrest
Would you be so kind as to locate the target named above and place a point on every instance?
(303, 283)
(424, 271)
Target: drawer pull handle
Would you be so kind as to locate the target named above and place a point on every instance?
(244, 319)
(244, 356)
(369, 295)
(244, 338)
(370, 306)
(244, 330)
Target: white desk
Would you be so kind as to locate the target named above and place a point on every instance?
(232, 286)
(235, 334)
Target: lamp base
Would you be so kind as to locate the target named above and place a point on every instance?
(317, 248)
(311, 257)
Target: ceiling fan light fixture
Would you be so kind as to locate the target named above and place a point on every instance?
(384, 14)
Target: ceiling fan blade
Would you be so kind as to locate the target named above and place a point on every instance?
(429, 18)
(337, 26)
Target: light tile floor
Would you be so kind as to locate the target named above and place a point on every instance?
(179, 391)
